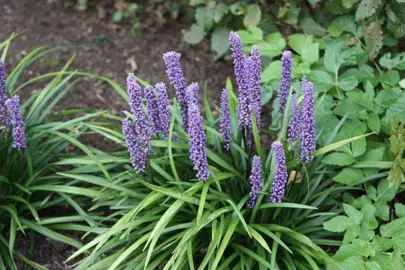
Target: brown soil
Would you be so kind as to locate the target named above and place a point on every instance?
(108, 52)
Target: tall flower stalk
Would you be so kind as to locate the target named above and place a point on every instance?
(17, 121)
(225, 125)
(164, 108)
(285, 81)
(255, 84)
(308, 136)
(294, 126)
(176, 78)
(280, 178)
(153, 109)
(3, 97)
(197, 136)
(255, 181)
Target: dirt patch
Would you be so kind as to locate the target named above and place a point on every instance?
(108, 52)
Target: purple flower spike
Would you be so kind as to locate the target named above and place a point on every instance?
(4, 123)
(197, 143)
(255, 77)
(13, 106)
(135, 98)
(153, 110)
(308, 135)
(164, 108)
(294, 127)
(225, 126)
(255, 181)
(285, 82)
(192, 93)
(176, 78)
(138, 144)
(241, 70)
(280, 179)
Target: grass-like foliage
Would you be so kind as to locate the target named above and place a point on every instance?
(31, 191)
(169, 216)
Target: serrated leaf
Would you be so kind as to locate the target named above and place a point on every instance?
(390, 61)
(338, 224)
(310, 27)
(310, 54)
(398, 7)
(338, 159)
(348, 83)
(399, 210)
(321, 79)
(374, 123)
(394, 228)
(253, 15)
(220, 10)
(355, 215)
(362, 99)
(272, 72)
(204, 18)
(219, 41)
(366, 9)
(335, 29)
(194, 35)
(373, 37)
(348, 176)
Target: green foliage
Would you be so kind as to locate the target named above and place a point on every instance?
(372, 237)
(31, 191)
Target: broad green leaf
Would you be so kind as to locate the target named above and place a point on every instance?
(219, 41)
(394, 228)
(348, 84)
(310, 54)
(355, 215)
(348, 176)
(338, 159)
(253, 15)
(321, 79)
(399, 210)
(374, 123)
(272, 72)
(194, 35)
(366, 9)
(338, 224)
(335, 29)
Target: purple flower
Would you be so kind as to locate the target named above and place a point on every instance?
(176, 78)
(197, 143)
(135, 98)
(241, 70)
(225, 125)
(255, 181)
(192, 93)
(138, 144)
(308, 135)
(285, 82)
(164, 108)
(13, 106)
(3, 97)
(255, 84)
(294, 127)
(153, 110)
(280, 179)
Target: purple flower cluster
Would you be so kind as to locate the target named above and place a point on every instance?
(192, 94)
(176, 78)
(3, 97)
(197, 142)
(255, 181)
(308, 135)
(248, 78)
(255, 82)
(138, 134)
(285, 82)
(13, 106)
(280, 178)
(294, 126)
(241, 70)
(164, 108)
(153, 109)
(225, 125)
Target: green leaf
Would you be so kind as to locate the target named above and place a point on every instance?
(274, 46)
(272, 72)
(355, 215)
(194, 35)
(310, 54)
(399, 210)
(219, 41)
(382, 210)
(366, 9)
(373, 37)
(398, 7)
(338, 159)
(220, 10)
(118, 16)
(385, 192)
(374, 123)
(389, 61)
(338, 224)
(394, 228)
(348, 176)
(348, 83)
(204, 18)
(321, 79)
(311, 27)
(335, 29)
(253, 15)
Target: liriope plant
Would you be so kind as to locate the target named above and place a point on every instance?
(209, 192)
(33, 140)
